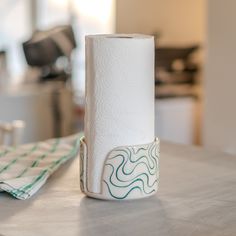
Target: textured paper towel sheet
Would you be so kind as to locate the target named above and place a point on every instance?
(119, 97)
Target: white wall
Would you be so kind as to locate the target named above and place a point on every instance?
(220, 92)
(15, 28)
(179, 21)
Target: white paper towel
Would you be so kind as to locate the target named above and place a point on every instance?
(119, 106)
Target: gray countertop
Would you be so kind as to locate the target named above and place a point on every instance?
(197, 196)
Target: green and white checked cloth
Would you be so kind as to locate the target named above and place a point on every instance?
(24, 169)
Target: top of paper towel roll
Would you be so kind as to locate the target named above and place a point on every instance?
(119, 36)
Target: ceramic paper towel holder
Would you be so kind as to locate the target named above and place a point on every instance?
(129, 172)
(119, 153)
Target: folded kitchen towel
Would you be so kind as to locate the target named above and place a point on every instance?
(24, 169)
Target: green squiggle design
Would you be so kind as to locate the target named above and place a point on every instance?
(123, 197)
(137, 178)
(130, 168)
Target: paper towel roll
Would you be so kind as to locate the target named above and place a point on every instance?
(119, 107)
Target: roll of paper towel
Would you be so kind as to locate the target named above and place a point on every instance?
(119, 97)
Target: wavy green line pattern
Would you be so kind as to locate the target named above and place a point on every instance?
(131, 172)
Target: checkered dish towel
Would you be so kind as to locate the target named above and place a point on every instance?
(24, 169)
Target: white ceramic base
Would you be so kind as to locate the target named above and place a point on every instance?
(129, 172)
(107, 198)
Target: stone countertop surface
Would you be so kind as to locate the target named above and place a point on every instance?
(197, 196)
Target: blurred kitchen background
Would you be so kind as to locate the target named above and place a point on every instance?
(42, 65)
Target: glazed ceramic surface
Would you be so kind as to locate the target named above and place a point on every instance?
(129, 172)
